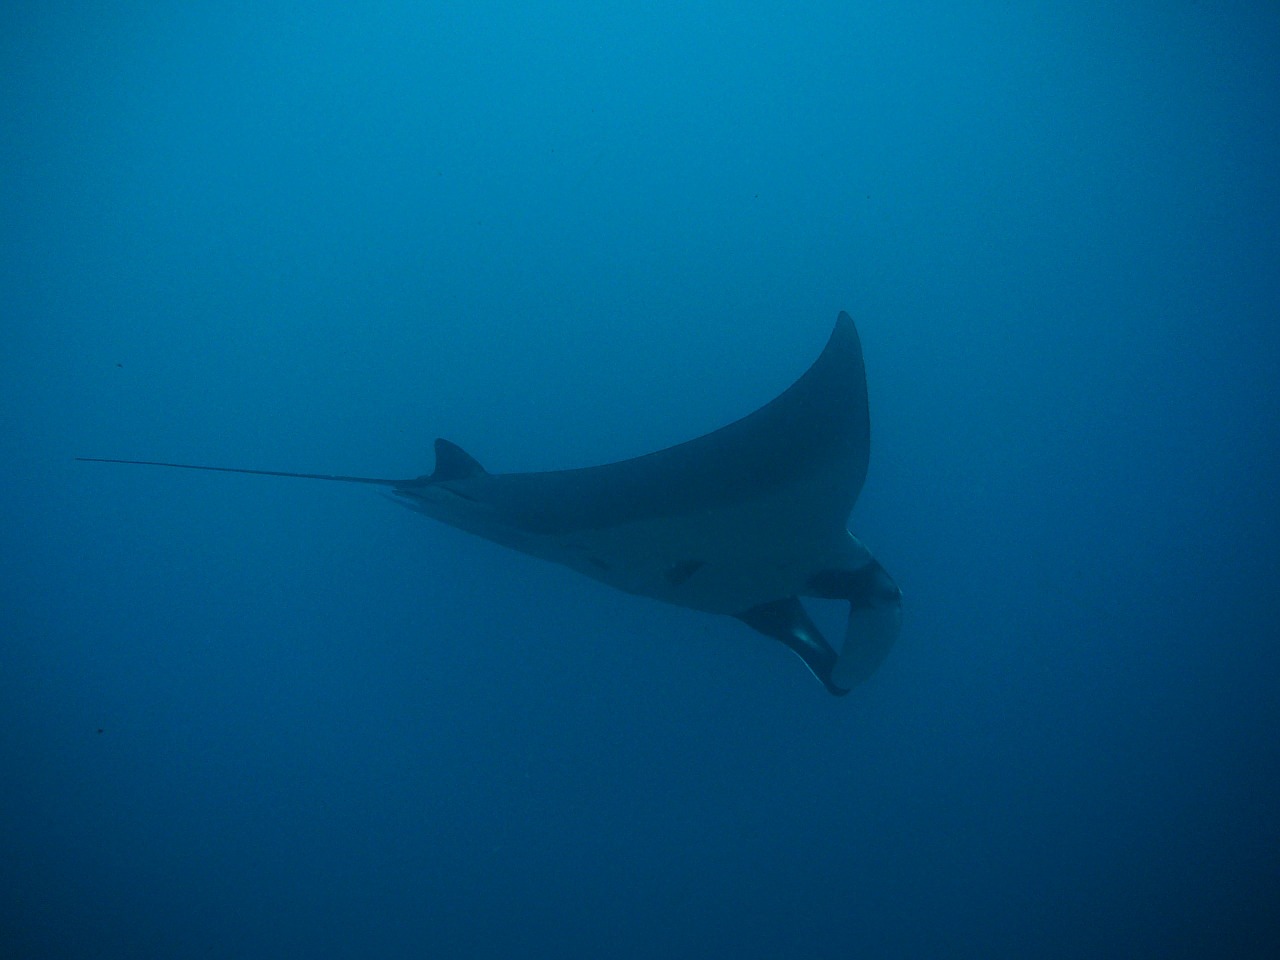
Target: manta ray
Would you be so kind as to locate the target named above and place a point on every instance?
(743, 521)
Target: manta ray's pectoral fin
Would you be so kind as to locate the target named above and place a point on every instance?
(787, 621)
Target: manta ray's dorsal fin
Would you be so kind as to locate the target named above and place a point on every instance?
(454, 463)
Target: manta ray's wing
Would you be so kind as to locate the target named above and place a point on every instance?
(816, 430)
(737, 517)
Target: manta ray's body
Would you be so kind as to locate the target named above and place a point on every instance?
(742, 521)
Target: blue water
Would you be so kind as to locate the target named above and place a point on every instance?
(247, 717)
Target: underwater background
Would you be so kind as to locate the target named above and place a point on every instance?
(253, 717)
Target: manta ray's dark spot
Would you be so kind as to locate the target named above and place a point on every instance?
(600, 564)
(683, 571)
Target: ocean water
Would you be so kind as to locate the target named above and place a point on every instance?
(254, 717)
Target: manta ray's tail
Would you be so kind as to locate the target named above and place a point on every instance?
(452, 463)
(379, 481)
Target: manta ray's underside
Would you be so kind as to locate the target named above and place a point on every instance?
(743, 521)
